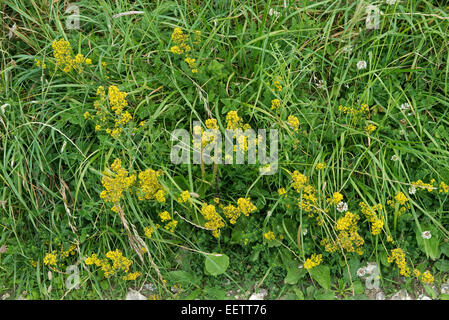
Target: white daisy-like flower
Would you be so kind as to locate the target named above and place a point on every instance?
(394, 158)
(342, 207)
(304, 232)
(361, 272)
(412, 190)
(426, 235)
(390, 2)
(404, 106)
(361, 65)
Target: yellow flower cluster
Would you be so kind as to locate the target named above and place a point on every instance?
(50, 259)
(149, 186)
(337, 197)
(354, 111)
(269, 236)
(207, 136)
(233, 121)
(70, 251)
(313, 261)
(398, 256)
(299, 181)
(39, 63)
(348, 236)
(62, 52)
(244, 206)
(132, 276)
(180, 39)
(150, 230)
(357, 113)
(165, 216)
(377, 222)
(192, 64)
(275, 104)
(320, 166)
(185, 196)
(426, 186)
(115, 184)
(401, 203)
(118, 263)
(111, 122)
(370, 128)
(119, 181)
(308, 200)
(444, 187)
(427, 277)
(277, 83)
(213, 219)
(293, 122)
(282, 191)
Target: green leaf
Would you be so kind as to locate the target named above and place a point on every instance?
(322, 275)
(183, 277)
(293, 275)
(358, 287)
(445, 249)
(216, 264)
(299, 294)
(442, 265)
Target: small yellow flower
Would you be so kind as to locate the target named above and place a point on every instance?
(275, 104)
(313, 261)
(293, 122)
(282, 191)
(269, 236)
(50, 259)
(370, 128)
(320, 166)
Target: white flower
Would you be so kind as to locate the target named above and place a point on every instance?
(342, 207)
(361, 65)
(404, 106)
(426, 235)
(361, 272)
(412, 190)
(394, 158)
(390, 2)
(320, 84)
(273, 12)
(304, 232)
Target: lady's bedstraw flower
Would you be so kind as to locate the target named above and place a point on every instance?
(50, 259)
(293, 122)
(320, 166)
(275, 104)
(269, 236)
(116, 183)
(313, 261)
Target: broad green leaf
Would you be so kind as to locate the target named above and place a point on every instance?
(216, 263)
(322, 275)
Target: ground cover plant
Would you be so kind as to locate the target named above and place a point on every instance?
(354, 205)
